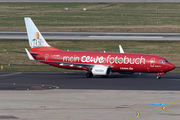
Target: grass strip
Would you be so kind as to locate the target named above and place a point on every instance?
(98, 17)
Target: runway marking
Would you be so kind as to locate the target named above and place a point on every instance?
(11, 74)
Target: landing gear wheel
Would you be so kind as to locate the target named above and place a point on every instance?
(158, 77)
(89, 75)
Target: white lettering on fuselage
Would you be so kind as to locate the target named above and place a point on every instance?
(101, 59)
(112, 60)
(126, 68)
(70, 59)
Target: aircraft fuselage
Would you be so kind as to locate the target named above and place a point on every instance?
(120, 62)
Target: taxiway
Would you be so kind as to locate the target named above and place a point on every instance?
(77, 80)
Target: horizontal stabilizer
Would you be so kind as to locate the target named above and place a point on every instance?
(29, 55)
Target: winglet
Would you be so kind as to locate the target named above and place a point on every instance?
(121, 49)
(29, 55)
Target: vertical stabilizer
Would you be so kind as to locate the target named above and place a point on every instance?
(34, 36)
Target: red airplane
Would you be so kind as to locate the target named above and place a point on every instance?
(95, 63)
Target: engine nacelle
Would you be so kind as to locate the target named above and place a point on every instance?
(101, 70)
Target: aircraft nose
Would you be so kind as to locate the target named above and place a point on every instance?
(170, 66)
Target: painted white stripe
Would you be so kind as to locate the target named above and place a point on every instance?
(126, 37)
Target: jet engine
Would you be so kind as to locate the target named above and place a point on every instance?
(101, 70)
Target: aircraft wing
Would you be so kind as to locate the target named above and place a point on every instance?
(79, 65)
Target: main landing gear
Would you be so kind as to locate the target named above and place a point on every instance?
(89, 75)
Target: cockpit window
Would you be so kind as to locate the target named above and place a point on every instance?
(164, 61)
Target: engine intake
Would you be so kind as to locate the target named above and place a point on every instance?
(101, 70)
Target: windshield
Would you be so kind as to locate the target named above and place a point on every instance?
(164, 61)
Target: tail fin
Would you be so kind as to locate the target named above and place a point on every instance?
(36, 40)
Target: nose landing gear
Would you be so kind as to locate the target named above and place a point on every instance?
(159, 75)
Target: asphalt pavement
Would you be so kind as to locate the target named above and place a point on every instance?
(77, 80)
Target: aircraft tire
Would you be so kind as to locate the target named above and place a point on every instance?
(89, 75)
(158, 77)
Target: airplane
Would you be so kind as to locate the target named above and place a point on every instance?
(95, 63)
